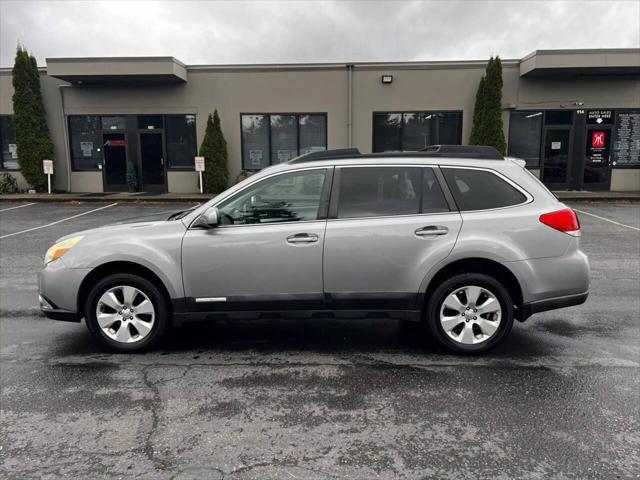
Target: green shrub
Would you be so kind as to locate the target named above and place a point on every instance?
(215, 177)
(132, 177)
(30, 121)
(488, 128)
(8, 183)
(243, 175)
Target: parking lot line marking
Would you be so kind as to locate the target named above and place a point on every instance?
(607, 220)
(19, 206)
(58, 221)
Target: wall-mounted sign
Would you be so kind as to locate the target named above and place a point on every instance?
(626, 145)
(47, 166)
(13, 150)
(597, 117)
(284, 156)
(598, 146)
(199, 164)
(87, 149)
(556, 145)
(114, 143)
(255, 156)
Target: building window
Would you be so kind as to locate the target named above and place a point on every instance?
(525, 135)
(414, 131)
(268, 139)
(9, 158)
(626, 142)
(85, 139)
(180, 133)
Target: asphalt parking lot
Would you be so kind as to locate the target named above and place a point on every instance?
(320, 399)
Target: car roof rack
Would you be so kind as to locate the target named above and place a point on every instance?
(327, 155)
(451, 151)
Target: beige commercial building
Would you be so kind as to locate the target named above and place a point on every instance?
(573, 115)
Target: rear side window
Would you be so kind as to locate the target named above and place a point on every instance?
(433, 200)
(379, 191)
(480, 189)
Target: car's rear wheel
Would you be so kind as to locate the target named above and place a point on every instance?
(126, 312)
(470, 313)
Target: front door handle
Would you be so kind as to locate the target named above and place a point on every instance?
(431, 231)
(302, 238)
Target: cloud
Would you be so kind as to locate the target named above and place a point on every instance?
(208, 32)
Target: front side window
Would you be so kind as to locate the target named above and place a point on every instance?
(268, 139)
(9, 158)
(180, 134)
(480, 189)
(85, 138)
(525, 135)
(379, 191)
(414, 131)
(291, 197)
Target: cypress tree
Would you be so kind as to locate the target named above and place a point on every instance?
(214, 150)
(487, 116)
(30, 122)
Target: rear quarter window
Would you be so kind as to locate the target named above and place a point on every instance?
(480, 189)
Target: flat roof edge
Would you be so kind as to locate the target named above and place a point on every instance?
(114, 59)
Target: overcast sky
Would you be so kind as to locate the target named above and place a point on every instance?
(209, 32)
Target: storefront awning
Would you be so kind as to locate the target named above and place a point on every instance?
(124, 70)
(547, 63)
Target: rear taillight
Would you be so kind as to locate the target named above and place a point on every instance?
(563, 220)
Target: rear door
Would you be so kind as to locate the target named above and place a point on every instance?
(388, 226)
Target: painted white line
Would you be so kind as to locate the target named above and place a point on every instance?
(58, 221)
(607, 220)
(19, 206)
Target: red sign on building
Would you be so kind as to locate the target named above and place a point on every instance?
(598, 140)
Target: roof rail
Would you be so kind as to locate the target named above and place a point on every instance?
(326, 155)
(475, 151)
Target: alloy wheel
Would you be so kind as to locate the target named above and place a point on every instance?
(470, 315)
(125, 314)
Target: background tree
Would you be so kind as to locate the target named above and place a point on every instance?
(214, 150)
(29, 117)
(488, 128)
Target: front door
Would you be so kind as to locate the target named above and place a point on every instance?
(555, 166)
(597, 159)
(152, 163)
(115, 162)
(267, 254)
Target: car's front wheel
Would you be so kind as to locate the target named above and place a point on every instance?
(126, 312)
(470, 313)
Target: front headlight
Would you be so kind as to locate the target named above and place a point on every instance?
(60, 248)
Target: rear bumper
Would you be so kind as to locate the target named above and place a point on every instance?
(529, 309)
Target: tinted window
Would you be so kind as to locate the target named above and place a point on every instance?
(114, 123)
(149, 122)
(284, 138)
(525, 133)
(285, 198)
(313, 133)
(180, 134)
(413, 131)
(379, 191)
(480, 189)
(85, 138)
(9, 158)
(255, 142)
(558, 117)
(433, 200)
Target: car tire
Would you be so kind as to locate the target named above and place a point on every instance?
(481, 324)
(145, 315)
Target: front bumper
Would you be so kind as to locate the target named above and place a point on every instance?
(58, 288)
(529, 309)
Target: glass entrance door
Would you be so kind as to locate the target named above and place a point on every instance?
(597, 159)
(555, 166)
(152, 162)
(115, 162)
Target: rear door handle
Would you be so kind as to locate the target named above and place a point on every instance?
(431, 231)
(302, 238)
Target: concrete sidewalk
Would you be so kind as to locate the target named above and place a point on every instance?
(632, 196)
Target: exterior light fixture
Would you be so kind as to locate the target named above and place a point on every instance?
(387, 78)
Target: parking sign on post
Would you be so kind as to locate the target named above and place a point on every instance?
(47, 166)
(200, 169)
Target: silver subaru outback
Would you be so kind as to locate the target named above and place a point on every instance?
(458, 237)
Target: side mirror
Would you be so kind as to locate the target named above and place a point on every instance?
(209, 219)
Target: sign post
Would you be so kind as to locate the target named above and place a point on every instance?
(200, 169)
(47, 166)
